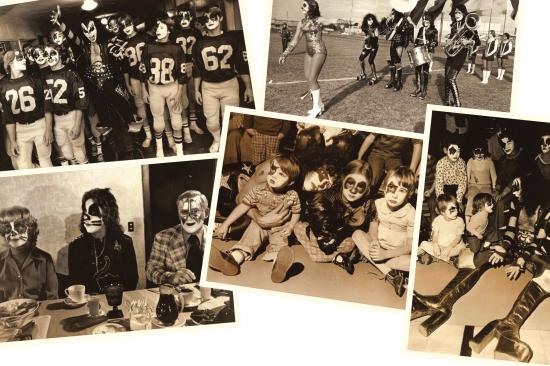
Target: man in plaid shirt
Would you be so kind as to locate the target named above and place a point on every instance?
(176, 256)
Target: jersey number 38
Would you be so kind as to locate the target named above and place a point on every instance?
(162, 70)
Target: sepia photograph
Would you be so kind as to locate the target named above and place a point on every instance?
(317, 209)
(379, 63)
(106, 250)
(479, 288)
(92, 81)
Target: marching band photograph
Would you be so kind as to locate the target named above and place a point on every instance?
(379, 63)
(106, 250)
(94, 81)
(314, 209)
(480, 288)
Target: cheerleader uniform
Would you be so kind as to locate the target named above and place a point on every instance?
(488, 54)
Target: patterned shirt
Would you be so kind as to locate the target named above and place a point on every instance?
(451, 173)
(170, 253)
(266, 201)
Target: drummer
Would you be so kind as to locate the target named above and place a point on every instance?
(426, 38)
(25, 271)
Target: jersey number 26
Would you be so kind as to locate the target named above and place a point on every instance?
(22, 100)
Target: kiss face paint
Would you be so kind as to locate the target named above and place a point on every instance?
(192, 215)
(355, 186)
(90, 31)
(92, 217)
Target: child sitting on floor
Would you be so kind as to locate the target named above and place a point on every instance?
(483, 205)
(388, 243)
(265, 197)
(447, 229)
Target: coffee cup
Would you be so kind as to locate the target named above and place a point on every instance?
(186, 296)
(206, 293)
(94, 307)
(76, 293)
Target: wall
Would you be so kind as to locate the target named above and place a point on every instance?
(55, 199)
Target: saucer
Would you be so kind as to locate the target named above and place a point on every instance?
(158, 324)
(109, 328)
(73, 304)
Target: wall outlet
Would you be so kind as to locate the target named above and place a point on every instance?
(131, 226)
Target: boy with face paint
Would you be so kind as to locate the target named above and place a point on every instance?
(163, 83)
(25, 270)
(27, 113)
(265, 198)
(218, 59)
(177, 253)
(450, 173)
(103, 254)
(543, 159)
(69, 99)
(388, 243)
(41, 59)
(186, 35)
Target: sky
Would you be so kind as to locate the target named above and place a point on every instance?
(343, 9)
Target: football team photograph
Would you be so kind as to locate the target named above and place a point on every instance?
(314, 209)
(107, 81)
(480, 289)
(379, 63)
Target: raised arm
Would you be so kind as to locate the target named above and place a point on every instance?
(292, 44)
(365, 145)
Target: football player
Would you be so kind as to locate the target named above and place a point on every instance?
(218, 58)
(186, 35)
(69, 99)
(40, 58)
(27, 113)
(132, 58)
(163, 82)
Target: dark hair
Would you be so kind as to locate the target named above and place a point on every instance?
(507, 35)
(450, 140)
(365, 24)
(63, 51)
(493, 33)
(533, 193)
(505, 134)
(480, 200)
(20, 213)
(313, 11)
(359, 167)
(289, 165)
(109, 207)
(406, 178)
(125, 18)
(459, 7)
(443, 200)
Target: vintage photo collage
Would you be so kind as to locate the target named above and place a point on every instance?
(386, 123)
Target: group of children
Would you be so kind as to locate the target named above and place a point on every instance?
(499, 48)
(97, 86)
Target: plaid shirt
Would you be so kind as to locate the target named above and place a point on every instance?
(169, 254)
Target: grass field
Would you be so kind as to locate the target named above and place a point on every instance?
(349, 100)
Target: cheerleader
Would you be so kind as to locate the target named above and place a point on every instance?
(370, 47)
(401, 34)
(489, 56)
(427, 36)
(504, 49)
(472, 55)
(454, 64)
(316, 53)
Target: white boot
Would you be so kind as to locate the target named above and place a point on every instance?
(469, 69)
(160, 150)
(187, 135)
(148, 137)
(179, 149)
(318, 106)
(502, 74)
(473, 69)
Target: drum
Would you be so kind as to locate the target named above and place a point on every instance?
(419, 55)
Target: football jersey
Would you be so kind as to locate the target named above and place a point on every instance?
(66, 90)
(186, 38)
(163, 63)
(132, 54)
(23, 100)
(220, 58)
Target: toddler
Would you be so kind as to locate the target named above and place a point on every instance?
(482, 176)
(483, 205)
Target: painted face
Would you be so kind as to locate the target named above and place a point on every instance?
(276, 178)
(212, 21)
(453, 152)
(185, 19)
(28, 53)
(162, 30)
(427, 23)
(369, 21)
(489, 207)
(508, 145)
(355, 186)
(128, 26)
(458, 15)
(305, 7)
(113, 26)
(192, 214)
(19, 62)
(395, 194)
(53, 56)
(39, 56)
(451, 212)
(15, 232)
(90, 31)
(479, 154)
(545, 144)
(57, 37)
(92, 217)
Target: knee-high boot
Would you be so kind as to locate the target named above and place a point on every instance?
(506, 330)
(418, 79)
(424, 80)
(398, 85)
(440, 306)
(391, 83)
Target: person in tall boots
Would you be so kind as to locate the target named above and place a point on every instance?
(400, 32)
(532, 248)
(427, 36)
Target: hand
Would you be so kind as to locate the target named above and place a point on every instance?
(74, 132)
(513, 272)
(280, 136)
(437, 250)
(145, 95)
(251, 131)
(221, 231)
(13, 149)
(282, 60)
(55, 16)
(287, 231)
(198, 97)
(428, 193)
(275, 218)
(130, 90)
(248, 95)
(377, 253)
(183, 276)
(466, 42)
(177, 102)
(48, 136)
(495, 259)
(521, 262)
(498, 197)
